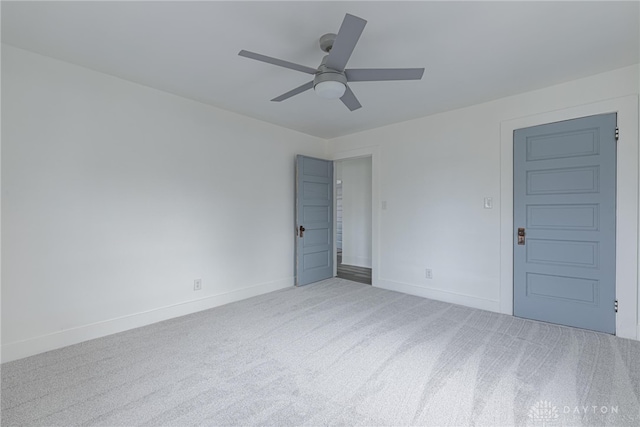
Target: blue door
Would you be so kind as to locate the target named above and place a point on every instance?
(564, 219)
(314, 220)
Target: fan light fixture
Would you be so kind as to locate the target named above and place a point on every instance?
(330, 89)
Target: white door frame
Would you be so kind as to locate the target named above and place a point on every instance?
(627, 226)
(373, 153)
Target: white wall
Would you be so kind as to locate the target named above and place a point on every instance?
(434, 173)
(115, 197)
(356, 211)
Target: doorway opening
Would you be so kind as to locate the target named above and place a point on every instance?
(354, 219)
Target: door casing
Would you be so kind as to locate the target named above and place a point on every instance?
(373, 153)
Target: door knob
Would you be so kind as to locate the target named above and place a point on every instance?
(301, 230)
(521, 236)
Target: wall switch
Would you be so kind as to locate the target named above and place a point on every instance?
(197, 284)
(488, 203)
(384, 205)
(428, 273)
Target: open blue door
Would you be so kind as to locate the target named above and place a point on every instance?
(314, 220)
(565, 222)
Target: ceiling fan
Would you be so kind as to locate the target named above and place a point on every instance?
(331, 78)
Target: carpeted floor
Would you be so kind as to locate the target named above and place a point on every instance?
(336, 352)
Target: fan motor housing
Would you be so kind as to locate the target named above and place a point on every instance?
(325, 74)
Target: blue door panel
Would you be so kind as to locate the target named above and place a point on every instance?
(563, 253)
(562, 216)
(564, 198)
(314, 212)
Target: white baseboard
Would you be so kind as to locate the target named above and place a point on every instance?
(440, 295)
(29, 347)
(356, 261)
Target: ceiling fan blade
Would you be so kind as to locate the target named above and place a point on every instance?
(345, 41)
(350, 100)
(278, 62)
(293, 92)
(380, 74)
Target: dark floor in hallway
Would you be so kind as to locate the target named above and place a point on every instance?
(353, 273)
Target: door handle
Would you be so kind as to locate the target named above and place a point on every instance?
(301, 230)
(521, 236)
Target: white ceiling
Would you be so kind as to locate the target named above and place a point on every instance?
(472, 51)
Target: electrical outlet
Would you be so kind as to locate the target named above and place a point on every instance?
(197, 284)
(428, 273)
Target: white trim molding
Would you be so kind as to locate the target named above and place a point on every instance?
(627, 208)
(440, 295)
(19, 349)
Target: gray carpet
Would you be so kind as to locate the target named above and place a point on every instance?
(338, 353)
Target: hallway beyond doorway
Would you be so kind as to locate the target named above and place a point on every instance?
(353, 273)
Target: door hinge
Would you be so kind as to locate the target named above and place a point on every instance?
(615, 306)
(617, 133)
